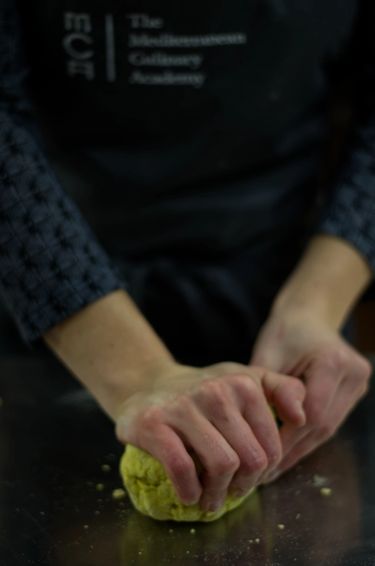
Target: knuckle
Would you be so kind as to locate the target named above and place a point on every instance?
(260, 462)
(182, 405)
(334, 360)
(364, 389)
(229, 367)
(211, 386)
(365, 369)
(238, 380)
(227, 465)
(356, 387)
(247, 389)
(215, 393)
(256, 464)
(247, 467)
(151, 417)
(359, 380)
(250, 392)
(256, 461)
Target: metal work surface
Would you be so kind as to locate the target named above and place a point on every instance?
(59, 467)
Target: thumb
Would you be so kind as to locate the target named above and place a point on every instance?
(267, 354)
(286, 394)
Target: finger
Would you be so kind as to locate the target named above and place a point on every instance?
(268, 357)
(348, 394)
(287, 395)
(166, 446)
(252, 455)
(218, 459)
(257, 445)
(290, 437)
(267, 434)
(322, 386)
(245, 419)
(257, 412)
(320, 394)
(254, 437)
(302, 449)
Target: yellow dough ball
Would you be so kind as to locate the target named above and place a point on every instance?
(153, 494)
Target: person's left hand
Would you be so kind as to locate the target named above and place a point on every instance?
(335, 375)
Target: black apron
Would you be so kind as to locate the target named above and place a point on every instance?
(191, 138)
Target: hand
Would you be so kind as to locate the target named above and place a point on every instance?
(222, 414)
(335, 375)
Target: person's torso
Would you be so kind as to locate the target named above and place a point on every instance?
(183, 120)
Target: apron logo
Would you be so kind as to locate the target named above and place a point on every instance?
(77, 43)
(156, 57)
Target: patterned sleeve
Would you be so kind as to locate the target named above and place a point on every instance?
(50, 263)
(350, 213)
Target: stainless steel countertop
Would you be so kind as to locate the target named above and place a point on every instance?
(54, 441)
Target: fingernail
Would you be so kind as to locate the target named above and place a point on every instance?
(299, 408)
(189, 502)
(272, 476)
(192, 498)
(213, 506)
(217, 505)
(300, 411)
(240, 492)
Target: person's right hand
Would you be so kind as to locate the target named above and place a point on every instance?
(220, 414)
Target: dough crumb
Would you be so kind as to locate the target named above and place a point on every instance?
(257, 540)
(85, 527)
(326, 491)
(193, 531)
(99, 487)
(106, 468)
(118, 494)
(171, 530)
(298, 516)
(281, 526)
(319, 481)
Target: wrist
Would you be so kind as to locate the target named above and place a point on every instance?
(326, 283)
(296, 301)
(111, 349)
(112, 390)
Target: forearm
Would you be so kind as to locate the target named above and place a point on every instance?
(327, 282)
(111, 349)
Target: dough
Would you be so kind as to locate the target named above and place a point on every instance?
(153, 494)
